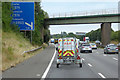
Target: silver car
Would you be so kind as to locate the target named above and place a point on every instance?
(86, 48)
(93, 45)
(111, 48)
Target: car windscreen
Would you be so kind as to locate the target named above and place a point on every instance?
(97, 41)
(86, 45)
(92, 44)
(112, 46)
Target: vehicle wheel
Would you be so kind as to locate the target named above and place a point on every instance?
(81, 52)
(104, 52)
(57, 49)
(57, 65)
(117, 53)
(73, 61)
(80, 64)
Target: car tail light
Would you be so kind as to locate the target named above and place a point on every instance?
(90, 47)
(82, 47)
(77, 50)
(78, 57)
(116, 48)
(60, 57)
(108, 48)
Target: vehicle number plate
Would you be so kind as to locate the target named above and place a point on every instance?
(113, 51)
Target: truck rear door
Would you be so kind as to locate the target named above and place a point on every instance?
(68, 47)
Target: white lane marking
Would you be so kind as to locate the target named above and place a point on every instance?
(115, 59)
(104, 55)
(94, 51)
(83, 59)
(101, 75)
(38, 75)
(89, 65)
(45, 73)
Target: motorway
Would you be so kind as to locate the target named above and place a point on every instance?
(43, 65)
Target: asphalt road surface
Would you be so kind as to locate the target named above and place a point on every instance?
(43, 65)
(95, 65)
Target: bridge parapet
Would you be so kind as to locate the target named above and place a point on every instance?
(85, 13)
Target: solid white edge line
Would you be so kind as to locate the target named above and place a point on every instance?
(46, 71)
(115, 59)
(101, 75)
(89, 65)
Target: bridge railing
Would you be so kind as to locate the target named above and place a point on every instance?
(85, 13)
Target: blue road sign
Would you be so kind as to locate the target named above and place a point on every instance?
(23, 15)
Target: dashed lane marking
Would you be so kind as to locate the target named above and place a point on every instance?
(104, 55)
(89, 65)
(101, 75)
(38, 75)
(115, 59)
(83, 59)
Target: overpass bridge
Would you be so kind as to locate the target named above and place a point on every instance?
(104, 19)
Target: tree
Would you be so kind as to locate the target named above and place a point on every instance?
(71, 35)
(6, 18)
(41, 33)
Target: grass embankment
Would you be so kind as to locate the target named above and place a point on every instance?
(13, 45)
(0, 49)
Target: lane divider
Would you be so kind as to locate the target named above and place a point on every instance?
(38, 75)
(48, 68)
(101, 75)
(83, 59)
(115, 59)
(89, 65)
(104, 55)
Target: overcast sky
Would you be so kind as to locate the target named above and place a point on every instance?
(63, 6)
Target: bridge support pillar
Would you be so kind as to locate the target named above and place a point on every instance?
(105, 33)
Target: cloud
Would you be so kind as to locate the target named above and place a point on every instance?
(68, 8)
(80, 0)
(57, 29)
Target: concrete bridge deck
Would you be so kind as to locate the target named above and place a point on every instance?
(111, 18)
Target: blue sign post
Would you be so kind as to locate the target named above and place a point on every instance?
(23, 15)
